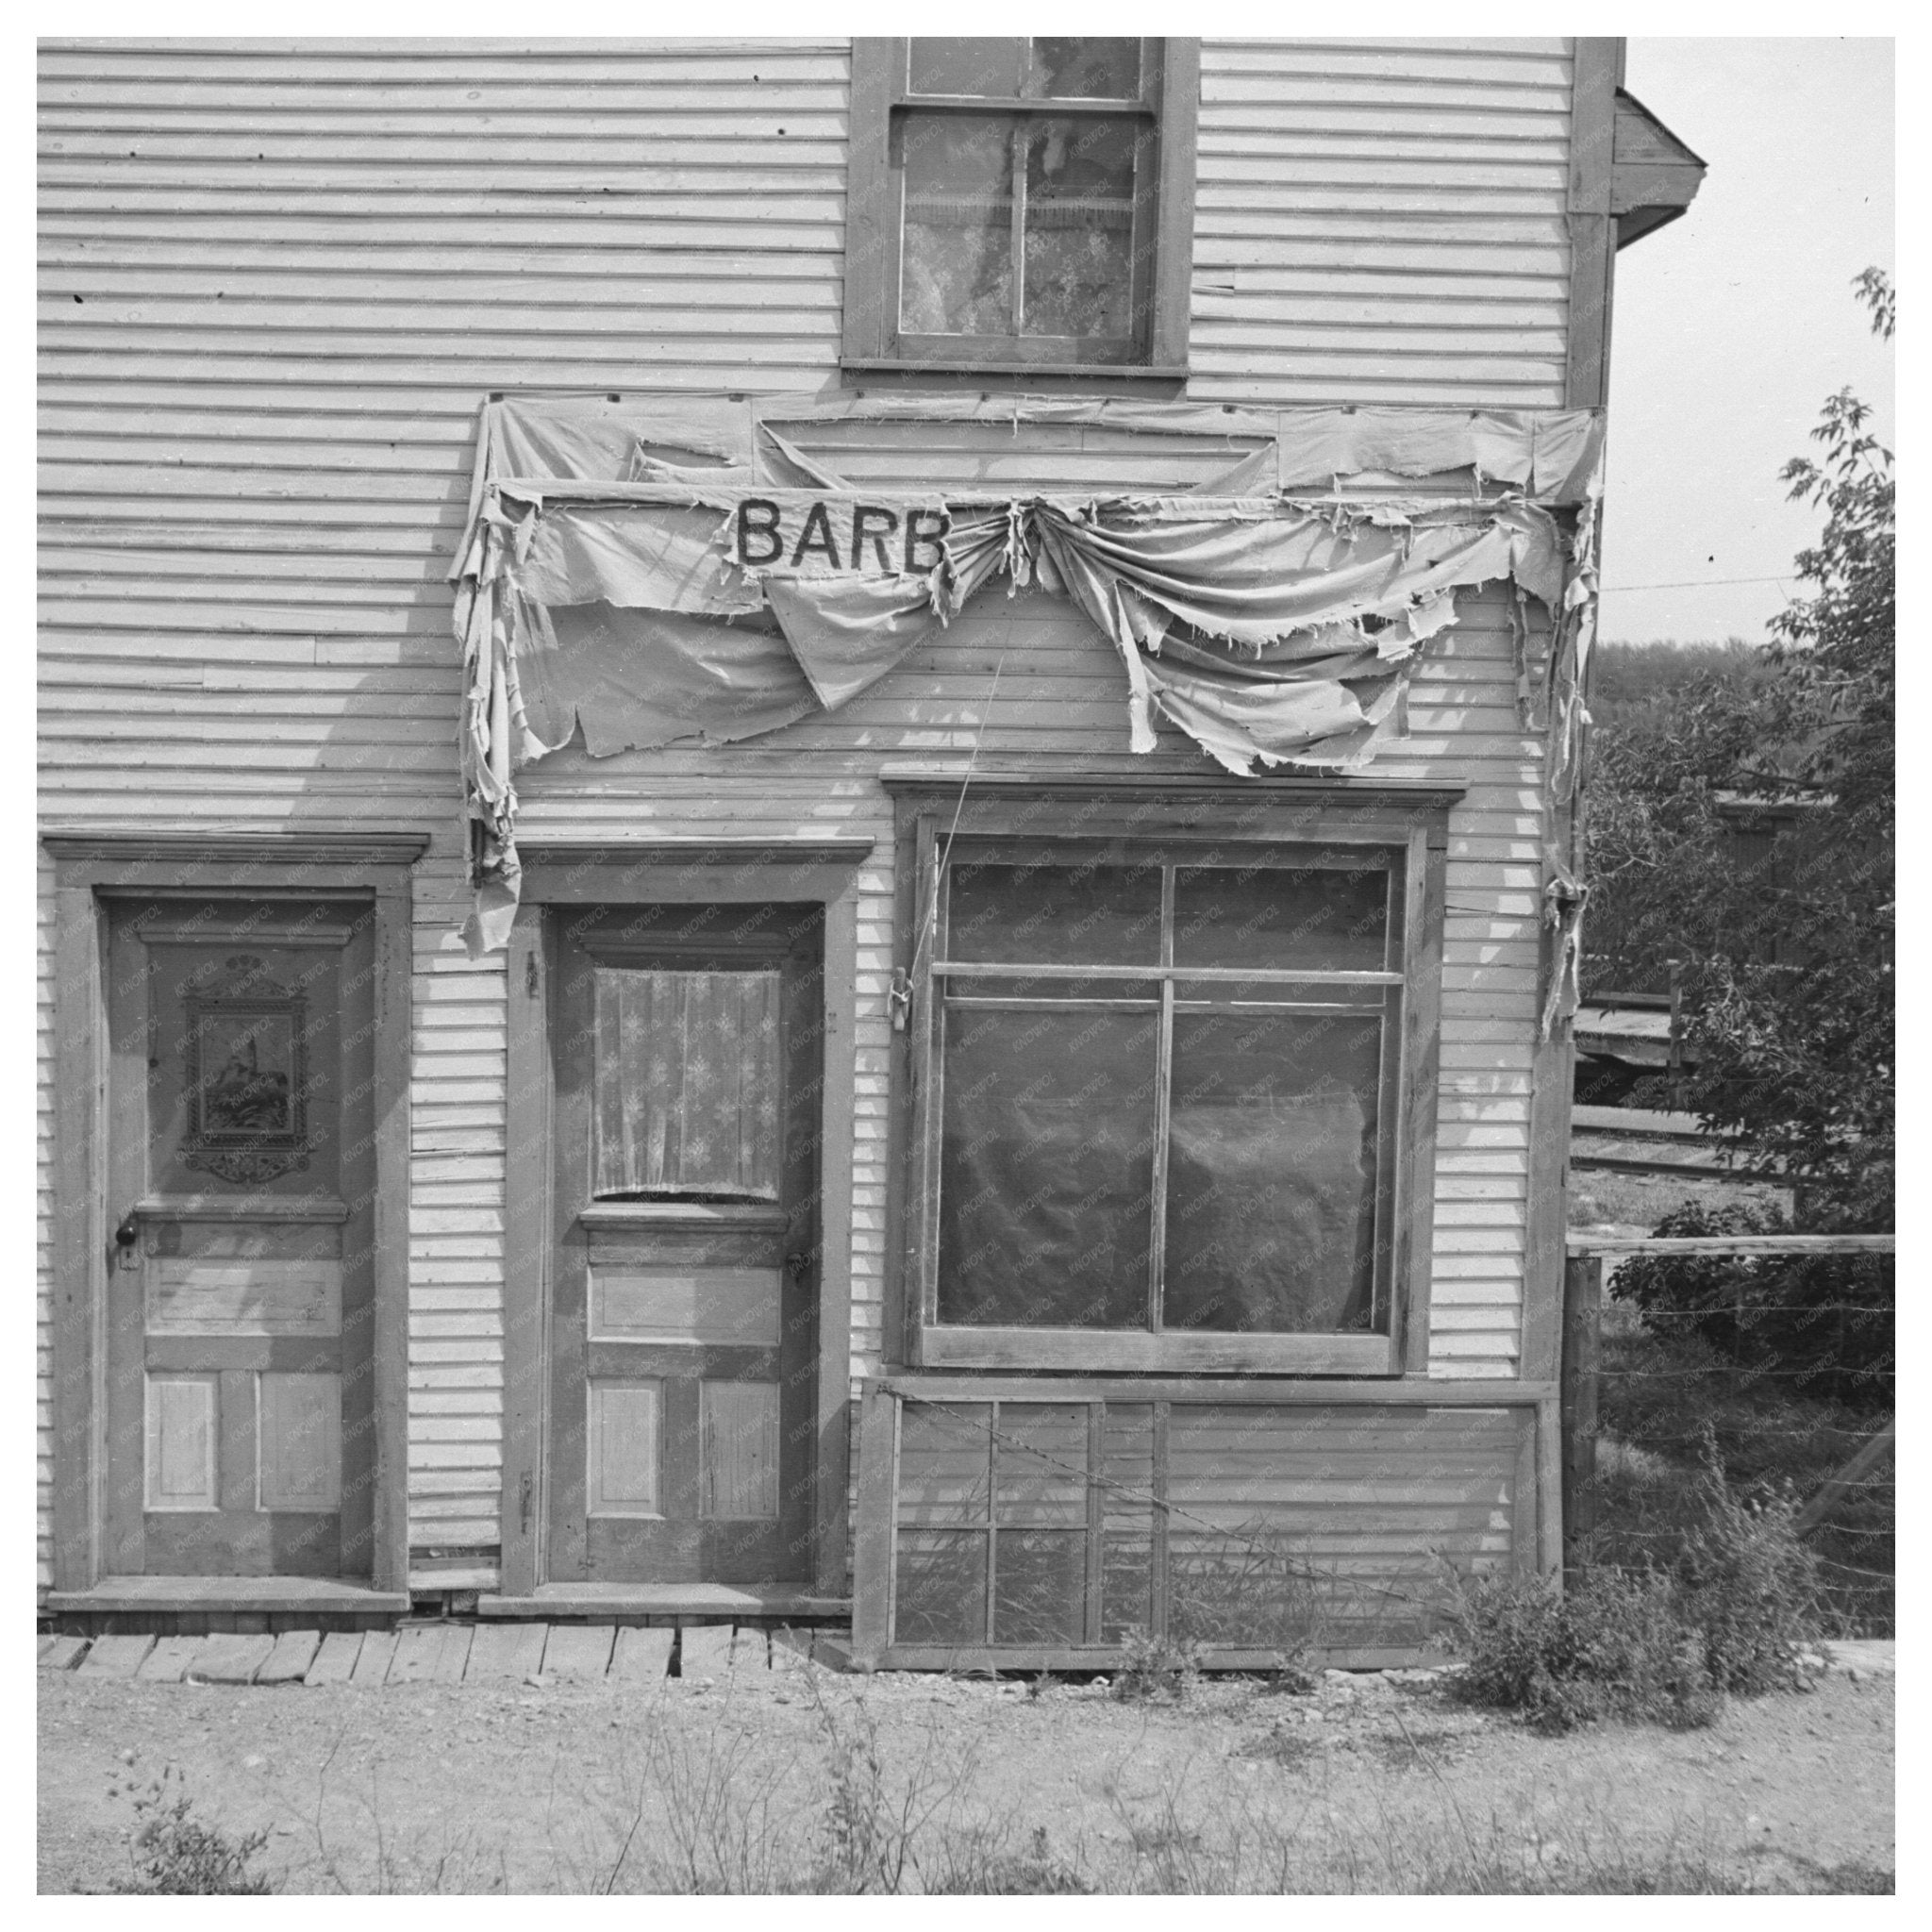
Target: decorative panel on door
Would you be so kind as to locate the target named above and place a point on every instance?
(241, 1291)
(685, 1041)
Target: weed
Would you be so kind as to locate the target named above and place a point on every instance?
(1156, 1667)
(873, 1822)
(1614, 1646)
(976, 1860)
(175, 1853)
(1749, 1588)
(1853, 1875)
(1252, 1588)
(1406, 1750)
(1169, 1855)
(712, 1806)
(1732, 1611)
(1283, 1745)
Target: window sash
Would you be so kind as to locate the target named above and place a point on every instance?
(1354, 1349)
(1154, 255)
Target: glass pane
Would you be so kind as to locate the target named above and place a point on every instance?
(940, 1594)
(1325, 918)
(1040, 1587)
(1270, 1181)
(1046, 1169)
(945, 1463)
(1042, 1464)
(1055, 915)
(1127, 1513)
(975, 66)
(1084, 70)
(1079, 239)
(957, 266)
(1127, 1579)
(687, 1084)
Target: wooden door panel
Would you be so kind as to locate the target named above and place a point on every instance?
(721, 1307)
(246, 1544)
(240, 1303)
(183, 1431)
(685, 1042)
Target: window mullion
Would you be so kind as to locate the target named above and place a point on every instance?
(1163, 1068)
(992, 1516)
(1019, 223)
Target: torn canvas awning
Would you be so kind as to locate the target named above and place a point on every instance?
(721, 585)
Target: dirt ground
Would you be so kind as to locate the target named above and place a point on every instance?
(795, 1777)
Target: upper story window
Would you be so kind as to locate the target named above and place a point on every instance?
(1021, 203)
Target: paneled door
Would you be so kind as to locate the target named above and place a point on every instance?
(241, 1301)
(686, 1045)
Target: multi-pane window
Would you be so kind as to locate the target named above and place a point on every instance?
(1007, 204)
(1167, 1101)
(1164, 1092)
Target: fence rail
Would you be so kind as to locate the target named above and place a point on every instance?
(1582, 1247)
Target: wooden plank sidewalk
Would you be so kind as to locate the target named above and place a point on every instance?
(495, 1654)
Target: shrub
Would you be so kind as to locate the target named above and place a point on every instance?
(1612, 1647)
(1735, 1610)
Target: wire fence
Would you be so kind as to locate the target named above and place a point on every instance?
(1768, 1365)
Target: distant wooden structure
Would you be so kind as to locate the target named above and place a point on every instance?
(630, 1261)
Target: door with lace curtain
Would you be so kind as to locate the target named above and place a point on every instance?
(683, 1316)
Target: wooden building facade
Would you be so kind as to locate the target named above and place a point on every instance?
(1015, 1122)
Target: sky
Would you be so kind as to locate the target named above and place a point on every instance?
(1735, 322)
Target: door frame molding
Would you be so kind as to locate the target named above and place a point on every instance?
(669, 872)
(91, 869)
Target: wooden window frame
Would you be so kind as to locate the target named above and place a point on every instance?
(1535, 1545)
(872, 339)
(1274, 817)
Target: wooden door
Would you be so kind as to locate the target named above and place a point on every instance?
(241, 1302)
(683, 1320)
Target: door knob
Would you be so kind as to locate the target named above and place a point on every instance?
(127, 1237)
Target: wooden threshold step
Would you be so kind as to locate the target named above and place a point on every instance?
(189, 1595)
(710, 1600)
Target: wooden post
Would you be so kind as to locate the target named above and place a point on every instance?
(1583, 1297)
(1676, 1070)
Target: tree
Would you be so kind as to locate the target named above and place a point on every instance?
(1789, 975)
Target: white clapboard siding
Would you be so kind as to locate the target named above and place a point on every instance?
(276, 280)
(1382, 221)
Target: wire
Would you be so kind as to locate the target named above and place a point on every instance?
(930, 923)
(1685, 584)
